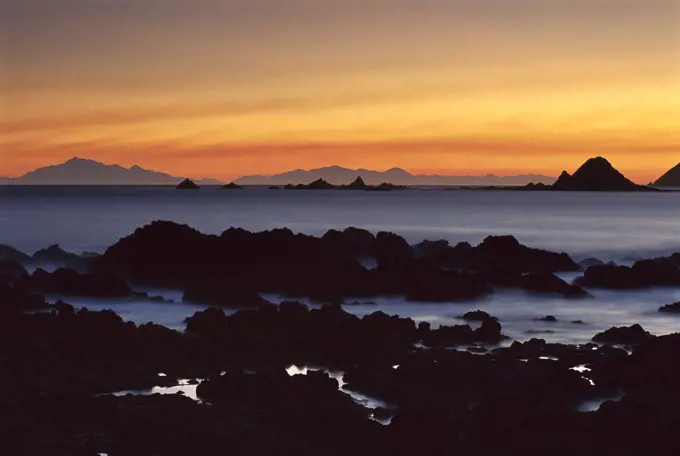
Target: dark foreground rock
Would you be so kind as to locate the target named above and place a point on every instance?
(67, 282)
(644, 273)
(670, 308)
(518, 400)
(626, 335)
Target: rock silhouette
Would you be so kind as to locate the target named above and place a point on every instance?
(596, 174)
(670, 308)
(231, 186)
(670, 179)
(187, 184)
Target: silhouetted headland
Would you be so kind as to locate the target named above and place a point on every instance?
(81, 171)
(670, 179)
(595, 175)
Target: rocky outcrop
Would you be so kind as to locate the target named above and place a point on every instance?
(670, 308)
(231, 186)
(544, 282)
(13, 255)
(187, 184)
(67, 282)
(670, 179)
(596, 174)
(645, 273)
(625, 335)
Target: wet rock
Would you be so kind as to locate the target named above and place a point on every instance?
(548, 319)
(355, 242)
(626, 335)
(67, 282)
(209, 323)
(543, 282)
(644, 273)
(612, 277)
(224, 295)
(670, 308)
(476, 315)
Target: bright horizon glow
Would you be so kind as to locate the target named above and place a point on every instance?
(225, 88)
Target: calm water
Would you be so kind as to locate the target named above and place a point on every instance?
(606, 225)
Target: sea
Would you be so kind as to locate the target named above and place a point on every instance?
(609, 226)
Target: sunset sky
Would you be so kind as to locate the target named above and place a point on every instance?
(222, 88)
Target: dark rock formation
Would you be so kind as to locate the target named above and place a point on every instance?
(644, 273)
(67, 282)
(187, 184)
(547, 319)
(224, 295)
(476, 315)
(358, 184)
(670, 308)
(596, 174)
(626, 335)
(15, 300)
(11, 272)
(670, 179)
(543, 282)
(13, 255)
(231, 186)
(55, 255)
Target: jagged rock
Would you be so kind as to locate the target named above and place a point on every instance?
(543, 282)
(68, 282)
(670, 308)
(626, 335)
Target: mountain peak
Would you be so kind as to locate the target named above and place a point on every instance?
(596, 174)
(671, 178)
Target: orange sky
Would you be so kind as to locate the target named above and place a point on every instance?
(222, 88)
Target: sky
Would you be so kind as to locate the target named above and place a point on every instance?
(223, 88)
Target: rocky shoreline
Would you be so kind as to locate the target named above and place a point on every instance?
(448, 390)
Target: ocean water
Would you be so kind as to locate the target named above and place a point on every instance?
(609, 226)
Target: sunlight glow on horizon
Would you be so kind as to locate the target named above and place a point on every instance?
(457, 87)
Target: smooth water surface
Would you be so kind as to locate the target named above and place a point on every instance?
(607, 225)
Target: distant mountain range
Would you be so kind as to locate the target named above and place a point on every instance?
(670, 179)
(337, 175)
(80, 171)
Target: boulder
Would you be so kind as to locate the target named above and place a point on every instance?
(625, 335)
(476, 315)
(545, 282)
